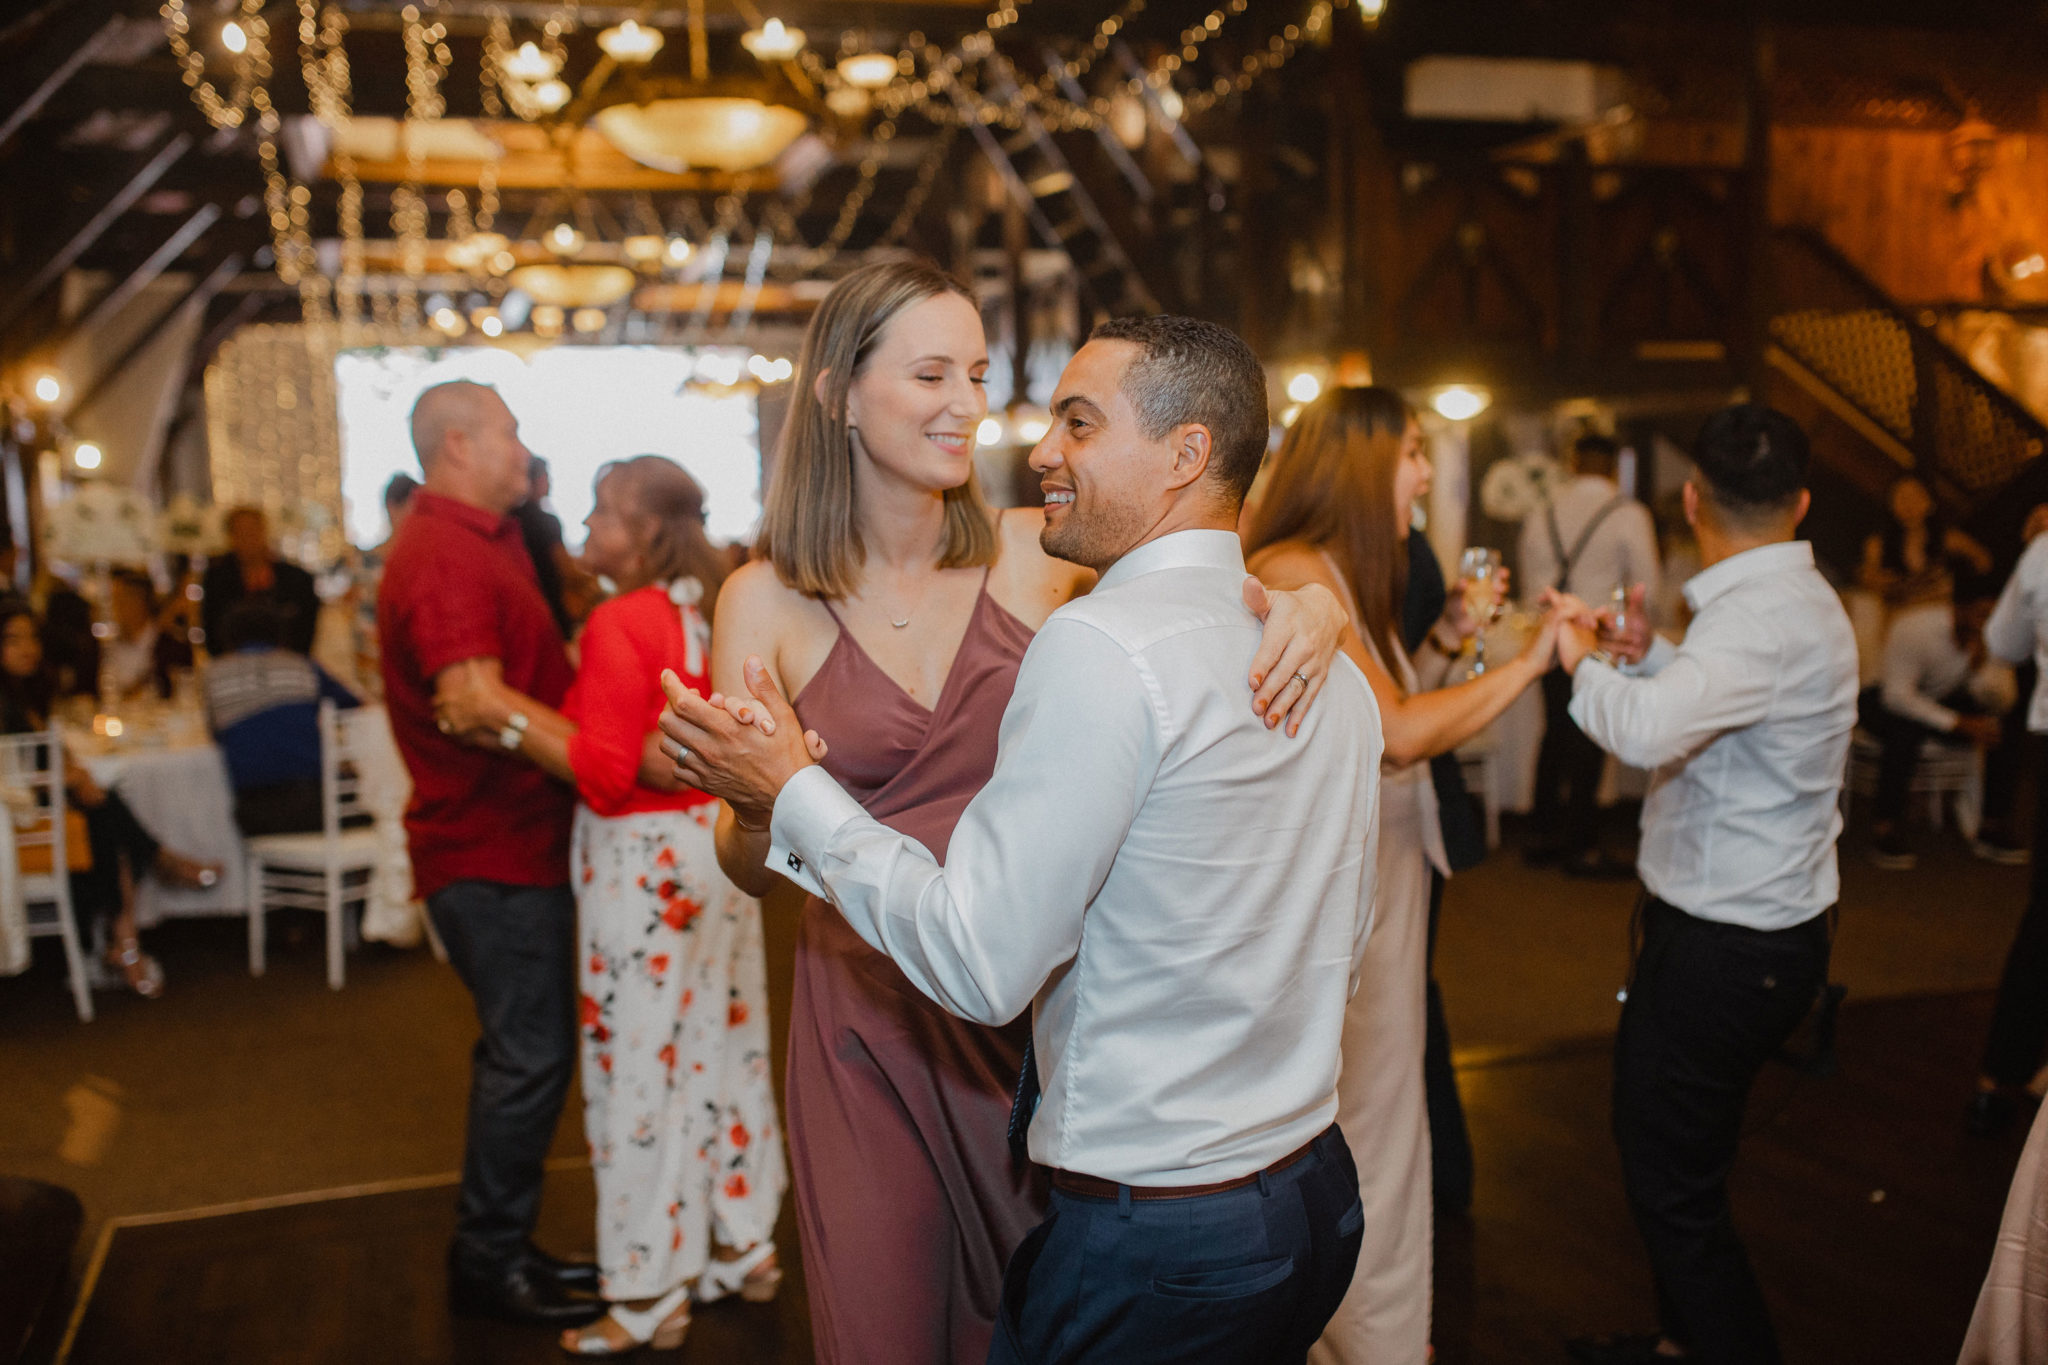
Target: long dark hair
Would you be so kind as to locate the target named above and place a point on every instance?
(1332, 486)
(666, 506)
(24, 702)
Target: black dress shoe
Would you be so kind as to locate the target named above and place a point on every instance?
(1633, 1348)
(571, 1277)
(1989, 1111)
(516, 1292)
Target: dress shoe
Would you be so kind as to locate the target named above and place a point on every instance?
(516, 1292)
(571, 1277)
(1632, 1348)
(1989, 1111)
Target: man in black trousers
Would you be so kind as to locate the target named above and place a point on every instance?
(1746, 728)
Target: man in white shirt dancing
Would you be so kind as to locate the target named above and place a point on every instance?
(1746, 730)
(1177, 893)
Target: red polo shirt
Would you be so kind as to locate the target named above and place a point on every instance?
(458, 584)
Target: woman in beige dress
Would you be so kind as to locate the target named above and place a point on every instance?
(1336, 511)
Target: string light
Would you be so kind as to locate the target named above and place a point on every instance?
(233, 38)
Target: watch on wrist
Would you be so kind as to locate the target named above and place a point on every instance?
(514, 732)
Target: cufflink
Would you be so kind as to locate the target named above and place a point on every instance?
(796, 864)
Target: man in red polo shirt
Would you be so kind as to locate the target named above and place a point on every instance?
(489, 836)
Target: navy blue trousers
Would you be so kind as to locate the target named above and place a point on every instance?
(1251, 1275)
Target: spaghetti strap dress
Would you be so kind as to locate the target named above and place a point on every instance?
(909, 1201)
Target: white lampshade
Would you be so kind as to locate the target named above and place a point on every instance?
(725, 133)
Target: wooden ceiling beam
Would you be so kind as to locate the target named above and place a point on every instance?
(75, 34)
(145, 172)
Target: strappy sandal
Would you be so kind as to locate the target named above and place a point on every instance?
(139, 972)
(662, 1325)
(753, 1274)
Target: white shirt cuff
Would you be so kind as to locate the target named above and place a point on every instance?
(810, 809)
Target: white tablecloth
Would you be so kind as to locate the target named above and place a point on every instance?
(180, 793)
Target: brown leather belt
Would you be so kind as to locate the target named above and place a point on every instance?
(1073, 1182)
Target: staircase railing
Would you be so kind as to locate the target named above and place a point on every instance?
(1917, 397)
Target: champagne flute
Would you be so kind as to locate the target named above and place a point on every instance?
(1618, 624)
(1479, 577)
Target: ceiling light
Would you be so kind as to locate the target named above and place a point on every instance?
(643, 248)
(989, 433)
(574, 286)
(725, 133)
(1304, 387)
(772, 42)
(550, 96)
(86, 455)
(563, 239)
(547, 320)
(1372, 10)
(677, 252)
(630, 43)
(531, 63)
(868, 70)
(1460, 402)
(588, 320)
(849, 101)
(233, 38)
(49, 388)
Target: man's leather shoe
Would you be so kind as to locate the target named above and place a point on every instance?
(1625, 1349)
(571, 1277)
(516, 1292)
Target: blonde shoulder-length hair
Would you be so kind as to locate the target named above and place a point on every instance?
(808, 531)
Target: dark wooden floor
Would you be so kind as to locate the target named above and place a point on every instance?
(1869, 1216)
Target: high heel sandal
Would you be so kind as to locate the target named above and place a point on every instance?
(662, 1325)
(753, 1274)
(139, 971)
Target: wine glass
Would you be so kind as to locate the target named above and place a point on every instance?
(1617, 624)
(1479, 577)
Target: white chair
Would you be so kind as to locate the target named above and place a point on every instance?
(1944, 771)
(32, 771)
(312, 871)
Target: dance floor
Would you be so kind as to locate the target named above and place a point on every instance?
(1869, 1215)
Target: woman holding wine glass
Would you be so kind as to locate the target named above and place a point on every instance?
(1336, 512)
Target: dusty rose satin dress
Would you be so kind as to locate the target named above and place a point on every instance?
(908, 1199)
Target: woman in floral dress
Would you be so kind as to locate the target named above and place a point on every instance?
(677, 1100)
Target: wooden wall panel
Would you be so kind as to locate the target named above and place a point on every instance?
(1884, 197)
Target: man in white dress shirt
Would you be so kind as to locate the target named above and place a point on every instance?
(1745, 728)
(1938, 682)
(1587, 540)
(1178, 894)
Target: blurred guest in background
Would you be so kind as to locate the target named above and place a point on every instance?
(71, 651)
(489, 836)
(369, 576)
(541, 529)
(2017, 631)
(677, 1101)
(1915, 557)
(138, 656)
(1588, 539)
(122, 850)
(1939, 683)
(249, 569)
(263, 706)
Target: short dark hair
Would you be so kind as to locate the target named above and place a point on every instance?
(1753, 461)
(1193, 371)
(399, 491)
(138, 580)
(252, 621)
(1593, 453)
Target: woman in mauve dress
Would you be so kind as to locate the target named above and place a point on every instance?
(894, 606)
(1336, 511)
